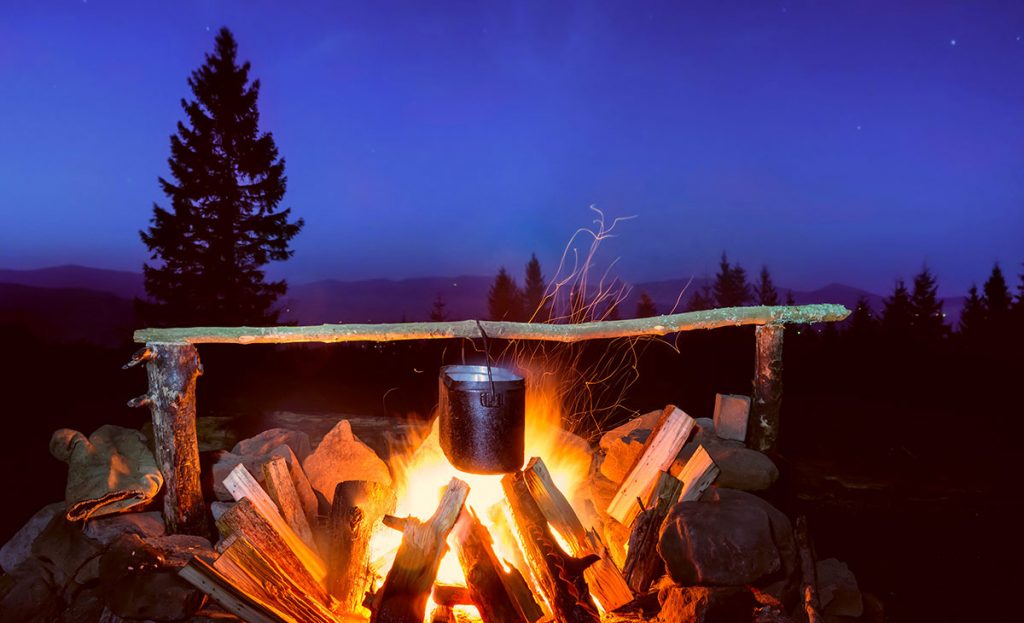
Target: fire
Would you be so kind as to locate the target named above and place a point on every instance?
(422, 476)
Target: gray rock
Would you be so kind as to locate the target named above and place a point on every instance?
(218, 508)
(63, 548)
(268, 440)
(106, 530)
(212, 432)
(340, 457)
(19, 548)
(28, 594)
(744, 469)
(705, 604)
(837, 589)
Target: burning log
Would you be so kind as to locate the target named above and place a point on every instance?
(452, 595)
(660, 450)
(282, 491)
(355, 514)
(764, 421)
(403, 597)
(490, 588)
(812, 606)
(604, 579)
(559, 574)
(443, 614)
(643, 563)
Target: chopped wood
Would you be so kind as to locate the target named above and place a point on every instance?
(403, 596)
(809, 583)
(453, 595)
(608, 329)
(203, 576)
(395, 523)
(244, 519)
(767, 399)
(241, 484)
(643, 563)
(560, 575)
(697, 475)
(258, 574)
(488, 586)
(606, 583)
(172, 370)
(278, 480)
(355, 517)
(664, 443)
(443, 614)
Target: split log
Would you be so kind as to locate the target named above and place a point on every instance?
(664, 443)
(812, 605)
(222, 590)
(560, 575)
(355, 516)
(608, 329)
(172, 370)
(606, 583)
(697, 475)
(245, 520)
(241, 484)
(278, 480)
(488, 585)
(258, 574)
(452, 595)
(767, 400)
(403, 596)
(643, 563)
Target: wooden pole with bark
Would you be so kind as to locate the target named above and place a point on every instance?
(764, 422)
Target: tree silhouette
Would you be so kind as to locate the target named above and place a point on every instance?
(437, 310)
(997, 300)
(536, 308)
(898, 313)
(790, 301)
(765, 291)
(972, 316)
(702, 299)
(731, 287)
(505, 301)
(645, 307)
(862, 322)
(927, 322)
(224, 224)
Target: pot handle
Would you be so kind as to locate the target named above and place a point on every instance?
(492, 399)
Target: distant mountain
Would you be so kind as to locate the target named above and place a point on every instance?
(122, 283)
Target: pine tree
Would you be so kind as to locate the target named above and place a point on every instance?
(534, 287)
(1019, 304)
(997, 300)
(862, 321)
(927, 322)
(898, 313)
(702, 299)
(731, 287)
(972, 316)
(505, 301)
(438, 312)
(765, 291)
(223, 224)
(790, 301)
(645, 307)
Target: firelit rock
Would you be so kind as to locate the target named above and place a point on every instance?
(139, 577)
(725, 542)
(19, 548)
(837, 589)
(622, 445)
(340, 457)
(106, 530)
(731, 414)
(705, 604)
(744, 469)
(266, 441)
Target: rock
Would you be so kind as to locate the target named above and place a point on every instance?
(87, 605)
(64, 550)
(768, 614)
(621, 446)
(19, 548)
(340, 457)
(139, 577)
(723, 542)
(106, 530)
(731, 414)
(268, 440)
(837, 589)
(744, 469)
(705, 604)
(28, 594)
(218, 508)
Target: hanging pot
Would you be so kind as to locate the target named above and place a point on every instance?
(482, 418)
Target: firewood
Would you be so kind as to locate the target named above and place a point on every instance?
(355, 517)
(809, 583)
(241, 484)
(203, 576)
(643, 564)
(606, 583)
(662, 446)
(278, 480)
(452, 594)
(245, 520)
(443, 614)
(487, 581)
(559, 574)
(697, 475)
(403, 596)
(256, 573)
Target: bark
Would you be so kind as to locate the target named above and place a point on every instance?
(355, 516)
(767, 400)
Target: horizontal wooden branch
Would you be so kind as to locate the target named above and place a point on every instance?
(609, 329)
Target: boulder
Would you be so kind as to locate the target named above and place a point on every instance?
(227, 461)
(837, 589)
(28, 594)
(218, 508)
(106, 530)
(19, 548)
(718, 543)
(705, 604)
(268, 440)
(340, 457)
(744, 469)
(622, 445)
(139, 577)
(64, 550)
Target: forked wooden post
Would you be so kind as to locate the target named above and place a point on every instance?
(172, 369)
(764, 421)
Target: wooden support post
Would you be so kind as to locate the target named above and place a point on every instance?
(172, 369)
(559, 574)
(355, 516)
(764, 421)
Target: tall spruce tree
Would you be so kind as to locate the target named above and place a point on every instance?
(862, 321)
(505, 300)
(997, 300)
(534, 286)
(702, 299)
(928, 322)
(731, 287)
(223, 225)
(898, 313)
(765, 291)
(972, 316)
(645, 307)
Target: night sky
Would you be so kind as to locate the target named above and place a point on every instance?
(834, 141)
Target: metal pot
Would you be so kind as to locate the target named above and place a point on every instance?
(482, 418)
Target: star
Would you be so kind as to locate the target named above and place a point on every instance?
(952, 42)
